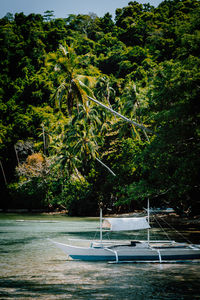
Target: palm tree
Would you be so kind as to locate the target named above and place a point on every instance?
(82, 133)
(71, 86)
(104, 89)
(131, 108)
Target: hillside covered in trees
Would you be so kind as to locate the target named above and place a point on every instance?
(60, 149)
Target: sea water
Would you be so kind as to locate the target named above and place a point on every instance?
(32, 267)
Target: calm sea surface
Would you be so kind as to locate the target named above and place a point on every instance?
(32, 267)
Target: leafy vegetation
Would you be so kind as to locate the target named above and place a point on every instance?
(60, 149)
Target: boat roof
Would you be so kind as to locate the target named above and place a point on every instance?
(124, 224)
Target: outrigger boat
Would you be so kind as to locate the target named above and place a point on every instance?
(133, 251)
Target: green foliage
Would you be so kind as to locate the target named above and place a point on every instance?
(144, 65)
(79, 199)
(30, 195)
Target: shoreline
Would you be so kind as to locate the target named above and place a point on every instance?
(171, 218)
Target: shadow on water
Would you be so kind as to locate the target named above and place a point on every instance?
(22, 241)
(110, 282)
(32, 287)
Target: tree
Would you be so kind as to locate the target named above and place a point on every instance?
(48, 15)
(71, 87)
(142, 68)
(169, 164)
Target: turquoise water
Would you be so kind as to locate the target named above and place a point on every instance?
(32, 267)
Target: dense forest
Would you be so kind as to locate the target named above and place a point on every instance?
(61, 149)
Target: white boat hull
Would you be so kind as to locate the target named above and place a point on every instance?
(131, 253)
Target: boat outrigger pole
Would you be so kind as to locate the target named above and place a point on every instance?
(148, 232)
(100, 225)
(101, 221)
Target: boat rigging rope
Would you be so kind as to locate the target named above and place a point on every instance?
(94, 238)
(188, 241)
(161, 227)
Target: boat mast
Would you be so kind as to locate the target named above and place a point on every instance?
(148, 232)
(100, 206)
